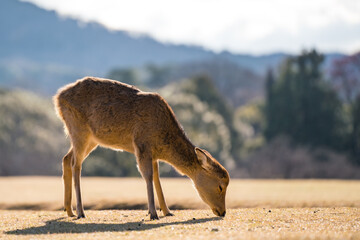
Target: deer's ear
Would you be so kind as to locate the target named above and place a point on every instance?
(203, 159)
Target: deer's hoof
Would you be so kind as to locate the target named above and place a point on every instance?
(70, 213)
(154, 217)
(81, 216)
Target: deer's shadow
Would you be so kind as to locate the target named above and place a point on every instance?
(58, 226)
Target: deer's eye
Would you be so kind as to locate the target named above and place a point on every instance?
(220, 188)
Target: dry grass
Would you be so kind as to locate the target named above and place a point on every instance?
(46, 193)
(259, 209)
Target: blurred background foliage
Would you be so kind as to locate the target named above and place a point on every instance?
(31, 136)
(305, 126)
(268, 116)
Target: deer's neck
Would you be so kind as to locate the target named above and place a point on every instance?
(180, 153)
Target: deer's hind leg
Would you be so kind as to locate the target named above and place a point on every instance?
(67, 174)
(82, 144)
(81, 149)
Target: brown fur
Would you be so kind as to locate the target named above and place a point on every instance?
(119, 116)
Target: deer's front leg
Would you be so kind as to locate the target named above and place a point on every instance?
(144, 160)
(79, 206)
(159, 191)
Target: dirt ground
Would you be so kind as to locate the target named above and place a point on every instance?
(249, 223)
(257, 209)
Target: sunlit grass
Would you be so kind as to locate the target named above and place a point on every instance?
(121, 193)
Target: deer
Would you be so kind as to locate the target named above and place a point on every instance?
(108, 113)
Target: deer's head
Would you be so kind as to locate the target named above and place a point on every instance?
(211, 181)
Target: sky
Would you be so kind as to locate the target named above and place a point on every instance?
(239, 26)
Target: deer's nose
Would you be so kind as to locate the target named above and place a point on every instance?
(218, 213)
(222, 214)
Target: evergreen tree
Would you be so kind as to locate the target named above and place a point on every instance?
(355, 136)
(345, 76)
(158, 76)
(203, 87)
(269, 99)
(301, 105)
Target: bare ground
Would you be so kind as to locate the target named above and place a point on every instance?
(257, 209)
(250, 223)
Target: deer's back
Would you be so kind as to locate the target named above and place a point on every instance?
(115, 113)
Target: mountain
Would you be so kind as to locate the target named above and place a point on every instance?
(43, 36)
(258, 64)
(29, 32)
(41, 51)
